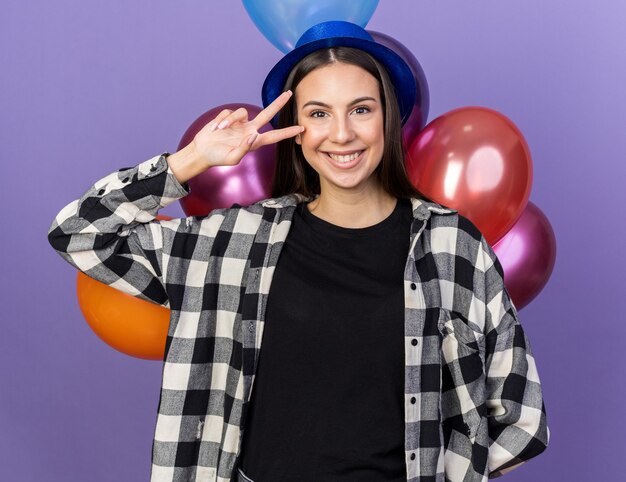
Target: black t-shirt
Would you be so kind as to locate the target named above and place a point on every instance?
(328, 398)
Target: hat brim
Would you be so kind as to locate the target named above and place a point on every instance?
(399, 72)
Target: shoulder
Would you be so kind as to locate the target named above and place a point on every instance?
(441, 215)
(247, 219)
(459, 225)
(456, 234)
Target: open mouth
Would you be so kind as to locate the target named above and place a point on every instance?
(344, 158)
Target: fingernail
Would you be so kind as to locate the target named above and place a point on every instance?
(222, 124)
(252, 138)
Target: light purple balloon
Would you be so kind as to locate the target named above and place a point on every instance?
(419, 115)
(221, 187)
(527, 253)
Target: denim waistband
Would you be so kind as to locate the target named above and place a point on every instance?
(241, 477)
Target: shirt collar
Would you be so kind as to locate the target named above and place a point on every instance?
(422, 208)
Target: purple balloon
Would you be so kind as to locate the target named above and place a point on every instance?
(419, 115)
(221, 187)
(527, 253)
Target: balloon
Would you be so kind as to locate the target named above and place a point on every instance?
(418, 117)
(527, 254)
(222, 186)
(282, 22)
(130, 325)
(474, 160)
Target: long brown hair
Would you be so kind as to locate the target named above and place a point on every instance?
(293, 173)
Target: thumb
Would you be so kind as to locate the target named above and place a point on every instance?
(241, 150)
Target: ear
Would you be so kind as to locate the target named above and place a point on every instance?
(298, 139)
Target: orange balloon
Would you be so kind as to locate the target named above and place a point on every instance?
(130, 325)
(474, 160)
(133, 326)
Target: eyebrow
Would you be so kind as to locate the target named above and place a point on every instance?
(322, 104)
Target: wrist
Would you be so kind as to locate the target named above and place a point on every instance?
(186, 163)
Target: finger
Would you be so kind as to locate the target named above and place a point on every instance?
(239, 115)
(219, 118)
(235, 155)
(267, 114)
(277, 135)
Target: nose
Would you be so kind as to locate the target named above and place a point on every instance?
(341, 130)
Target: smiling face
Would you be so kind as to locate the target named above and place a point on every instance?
(340, 107)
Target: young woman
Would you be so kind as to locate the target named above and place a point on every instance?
(391, 349)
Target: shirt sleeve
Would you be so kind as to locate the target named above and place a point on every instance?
(111, 233)
(516, 412)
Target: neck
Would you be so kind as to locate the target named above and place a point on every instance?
(353, 208)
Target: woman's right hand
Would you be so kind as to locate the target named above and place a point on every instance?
(227, 138)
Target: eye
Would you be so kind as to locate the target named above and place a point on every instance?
(362, 110)
(318, 114)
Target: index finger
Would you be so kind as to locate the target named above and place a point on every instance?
(267, 114)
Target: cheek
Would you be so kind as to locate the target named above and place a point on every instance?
(312, 137)
(377, 135)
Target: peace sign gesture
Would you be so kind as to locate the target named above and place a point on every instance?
(227, 138)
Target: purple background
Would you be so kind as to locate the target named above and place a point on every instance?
(89, 87)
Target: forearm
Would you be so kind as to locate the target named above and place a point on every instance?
(119, 199)
(517, 419)
(107, 233)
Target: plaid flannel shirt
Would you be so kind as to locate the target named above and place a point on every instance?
(473, 401)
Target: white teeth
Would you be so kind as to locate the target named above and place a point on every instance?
(347, 158)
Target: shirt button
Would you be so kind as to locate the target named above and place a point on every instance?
(413, 286)
(412, 456)
(100, 192)
(266, 227)
(413, 399)
(251, 327)
(414, 341)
